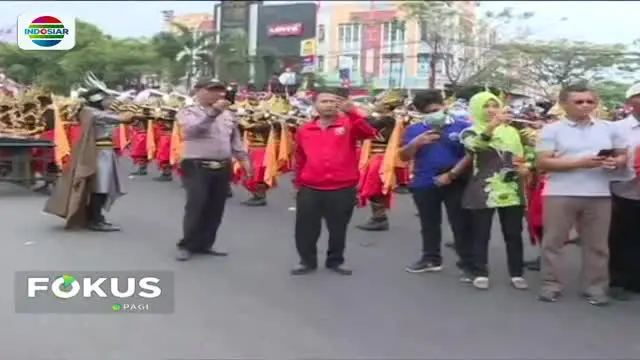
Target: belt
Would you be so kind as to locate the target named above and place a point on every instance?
(213, 164)
(104, 143)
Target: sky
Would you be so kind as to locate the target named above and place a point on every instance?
(598, 21)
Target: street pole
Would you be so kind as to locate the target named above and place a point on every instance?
(369, 23)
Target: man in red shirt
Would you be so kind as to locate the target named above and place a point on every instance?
(326, 176)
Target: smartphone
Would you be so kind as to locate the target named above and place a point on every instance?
(606, 153)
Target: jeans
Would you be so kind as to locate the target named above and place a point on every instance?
(429, 203)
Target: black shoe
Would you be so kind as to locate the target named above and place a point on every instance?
(255, 202)
(450, 245)
(619, 294)
(549, 296)
(103, 227)
(230, 194)
(303, 270)
(340, 269)
(423, 265)
(164, 178)
(533, 265)
(43, 189)
(183, 255)
(139, 172)
(402, 189)
(212, 252)
(381, 224)
(597, 300)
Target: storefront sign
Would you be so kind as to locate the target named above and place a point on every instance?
(234, 16)
(308, 47)
(285, 29)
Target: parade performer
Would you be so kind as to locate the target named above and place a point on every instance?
(377, 162)
(91, 184)
(164, 120)
(260, 136)
(44, 163)
(402, 169)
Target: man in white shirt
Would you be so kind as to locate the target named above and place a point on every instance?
(581, 155)
(624, 247)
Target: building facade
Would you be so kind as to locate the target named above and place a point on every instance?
(274, 33)
(281, 32)
(378, 45)
(194, 22)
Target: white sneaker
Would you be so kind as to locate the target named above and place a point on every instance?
(481, 283)
(519, 283)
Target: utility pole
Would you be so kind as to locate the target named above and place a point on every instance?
(368, 25)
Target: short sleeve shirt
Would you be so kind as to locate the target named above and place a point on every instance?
(568, 139)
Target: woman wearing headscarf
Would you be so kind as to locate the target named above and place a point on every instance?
(495, 186)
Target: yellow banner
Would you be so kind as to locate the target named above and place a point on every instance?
(308, 47)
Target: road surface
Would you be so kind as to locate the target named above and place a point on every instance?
(247, 306)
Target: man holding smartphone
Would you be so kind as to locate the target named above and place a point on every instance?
(440, 166)
(578, 153)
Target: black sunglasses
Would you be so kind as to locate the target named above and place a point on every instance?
(582, 102)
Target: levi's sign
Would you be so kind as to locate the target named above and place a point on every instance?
(285, 29)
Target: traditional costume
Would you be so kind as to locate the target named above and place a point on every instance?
(260, 136)
(164, 121)
(378, 162)
(92, 183)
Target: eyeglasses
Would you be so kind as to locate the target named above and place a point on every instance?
(582, 102)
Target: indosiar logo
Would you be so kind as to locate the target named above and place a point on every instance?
(46, 32)
(68, 286)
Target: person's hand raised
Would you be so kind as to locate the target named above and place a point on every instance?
(426, 138)
(500, 118)
(221, 105)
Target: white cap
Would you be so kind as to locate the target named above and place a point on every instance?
(634, 90)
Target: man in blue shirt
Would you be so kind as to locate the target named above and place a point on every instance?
(440, 174)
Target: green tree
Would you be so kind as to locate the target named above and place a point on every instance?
(542, 65)
(457, 41)
(612, 94)
(116, 61)
(231, 57)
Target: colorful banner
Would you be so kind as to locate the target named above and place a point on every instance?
(308, 47)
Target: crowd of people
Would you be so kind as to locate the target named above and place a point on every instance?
(568, 171)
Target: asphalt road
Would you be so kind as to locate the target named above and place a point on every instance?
(247, 306)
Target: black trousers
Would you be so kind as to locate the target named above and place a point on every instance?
(207, 191)
(336, 208)
(511, 224)
(429, 202)
(94, 208)
(624, 244)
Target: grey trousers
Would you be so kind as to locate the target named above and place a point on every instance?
(591, 217)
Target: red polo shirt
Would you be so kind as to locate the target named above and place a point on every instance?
(326, 159)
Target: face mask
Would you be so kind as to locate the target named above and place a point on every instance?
(436, 119)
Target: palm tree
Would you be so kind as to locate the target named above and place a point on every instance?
(231, 57)
(197, 48)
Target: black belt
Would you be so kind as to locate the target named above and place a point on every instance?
(211, 163)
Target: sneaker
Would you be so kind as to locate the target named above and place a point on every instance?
(423, 266)
(481, 283)
(549, 295)
(466, 277)
(597, 300)
(519, 283)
